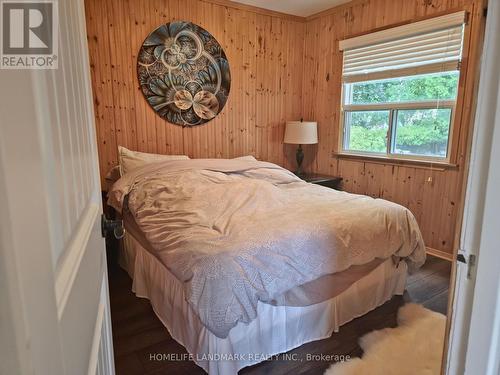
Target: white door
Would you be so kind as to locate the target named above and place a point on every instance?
(474, 344)
(54, 308)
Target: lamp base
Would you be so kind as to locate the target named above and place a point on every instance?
(299, 156)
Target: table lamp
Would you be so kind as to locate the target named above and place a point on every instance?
(301, 133)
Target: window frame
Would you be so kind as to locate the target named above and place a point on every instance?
(461, 113)
(393, 108)
(391, 129)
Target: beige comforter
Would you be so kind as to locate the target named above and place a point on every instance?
(236, 232)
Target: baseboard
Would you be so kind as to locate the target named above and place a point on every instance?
(439, 254)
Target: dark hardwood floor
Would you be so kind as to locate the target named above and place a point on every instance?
(137, 332)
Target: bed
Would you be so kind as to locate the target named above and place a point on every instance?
(242, 260)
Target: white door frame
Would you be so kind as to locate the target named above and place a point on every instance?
(475, 329)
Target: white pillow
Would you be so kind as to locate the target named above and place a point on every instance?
(247, 157)
(133, 159)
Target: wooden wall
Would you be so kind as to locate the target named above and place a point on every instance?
(432, 193)
(265, 53)
(282, 68)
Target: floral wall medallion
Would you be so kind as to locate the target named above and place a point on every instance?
(183, 73)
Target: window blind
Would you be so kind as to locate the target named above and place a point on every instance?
(435, 43)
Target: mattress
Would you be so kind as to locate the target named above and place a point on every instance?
(236, 233)
(277, 328)
(319, 290)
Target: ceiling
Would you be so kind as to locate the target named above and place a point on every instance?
(303, 8)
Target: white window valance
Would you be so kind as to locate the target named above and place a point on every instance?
(435, 43)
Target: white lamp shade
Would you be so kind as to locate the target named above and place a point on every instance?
(301, 133)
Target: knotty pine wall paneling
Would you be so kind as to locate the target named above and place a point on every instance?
(282, 68)
(265, 52)
(434, 194)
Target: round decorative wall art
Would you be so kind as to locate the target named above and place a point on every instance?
(183, 73)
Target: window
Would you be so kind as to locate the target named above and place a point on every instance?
(399, 95)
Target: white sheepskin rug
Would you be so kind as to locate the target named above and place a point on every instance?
(415, 347)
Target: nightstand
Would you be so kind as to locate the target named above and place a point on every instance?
(333, 182)
(112, 244)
